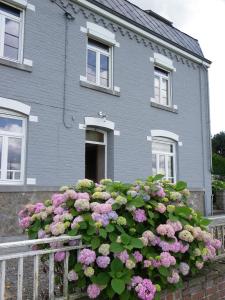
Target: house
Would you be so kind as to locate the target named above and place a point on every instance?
(98, 88)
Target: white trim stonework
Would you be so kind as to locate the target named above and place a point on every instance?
(140, 31)
(21, 4)
(163, 61)
(99, 122)
(100, 33)
(165, 134)
(15, 105)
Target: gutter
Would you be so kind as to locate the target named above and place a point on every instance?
(141, 30)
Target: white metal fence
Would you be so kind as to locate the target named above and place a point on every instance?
(35, 255)
(218, 232)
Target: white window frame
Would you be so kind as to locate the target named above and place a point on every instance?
(167, 156)
(98, 52)
(20, 20)
(104, 143)
(161, 77)
(6, 135)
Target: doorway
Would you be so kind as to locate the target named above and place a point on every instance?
(95, 155)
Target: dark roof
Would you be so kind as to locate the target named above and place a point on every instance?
(153, 23)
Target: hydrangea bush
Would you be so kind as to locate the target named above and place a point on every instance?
(141, 238)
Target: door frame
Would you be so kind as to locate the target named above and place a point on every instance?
(104, 143)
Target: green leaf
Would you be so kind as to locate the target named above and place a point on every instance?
(137, 202)
(78, 267)
(205, 222)
(116, 266)
(125, 238)
(91, 230)
(72, 232)
(180, 186)
(118, 286)
(116, 247)
(101, 279)
(83, 225)
(136, 243)
(172, 217)
(103, 233)
(95, 243)
(110, 228)
(158, 177)
(112, 237)
(164, 271)
(182, 210)
(125, 295)
(110, 292)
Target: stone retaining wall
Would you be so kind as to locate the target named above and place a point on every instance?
(12, 202)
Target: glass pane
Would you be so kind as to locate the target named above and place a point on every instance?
(1, 140)
(91, 68)
(14, 154)
(12, 27)
(9, 9)
(10, 52)
(162, 164)
(94, 136)
(11, 41)
(162, 147)
(11, 125)
(170, 167)
(104, 70)
(97, 44)
(157, 98)
(165, 84)
(161, 71)
(154, 166)
(156, 82)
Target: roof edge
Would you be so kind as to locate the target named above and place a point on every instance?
(132, 25)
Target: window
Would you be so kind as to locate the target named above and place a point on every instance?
(95, 155)
(12, 148)
(163, 158)
(11, 29)
(162, 87)
(99, 63)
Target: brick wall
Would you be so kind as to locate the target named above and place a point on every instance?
(210, 285)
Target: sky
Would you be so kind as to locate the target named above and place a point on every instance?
(205, 21)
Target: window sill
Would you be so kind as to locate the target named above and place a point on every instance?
(101, 89)
(16, 65)
(163, 107)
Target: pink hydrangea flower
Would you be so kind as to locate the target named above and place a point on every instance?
(39, 207)
(60, 256)
(165, 229)
(103, 261)
(139, 215)
(138, 256)
(102, 208)
(25, 222)
(72, 276)
(71, 194)
(167, 259)
(83, 196)
(86, 257)
(76, 221)
(93, 291)
(147, 263)
(58, 199)
(177, 226)
(123, 256)
(161, 208)
(184, 268)
(174, 278)
(146, 290)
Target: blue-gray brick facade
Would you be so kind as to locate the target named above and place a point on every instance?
(55, 153)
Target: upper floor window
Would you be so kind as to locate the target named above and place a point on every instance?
(162, 87)
(12, 148)
(164, 158)
(99, 63)
(11, 29)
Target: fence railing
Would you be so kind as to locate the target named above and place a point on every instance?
(35, 255)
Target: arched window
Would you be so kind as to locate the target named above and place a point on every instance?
(164, 157)
(95, 154)
(12, 147)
